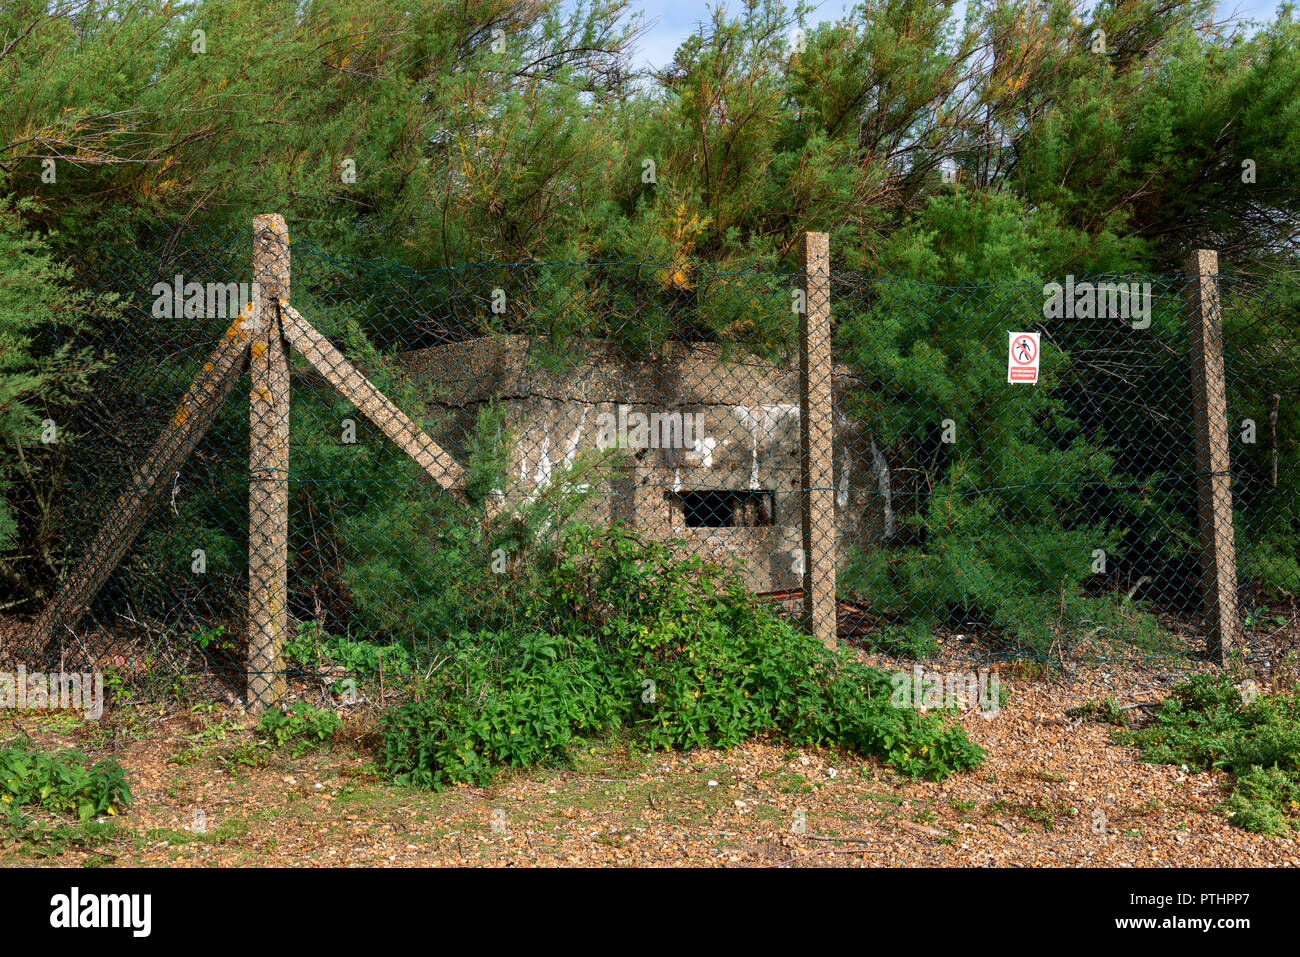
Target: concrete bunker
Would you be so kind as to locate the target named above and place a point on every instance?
(711, 442)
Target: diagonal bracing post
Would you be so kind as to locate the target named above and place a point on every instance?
(188, 424)
(261, 331)
(371, 402)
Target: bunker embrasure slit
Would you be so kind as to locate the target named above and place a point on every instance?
(726, 508)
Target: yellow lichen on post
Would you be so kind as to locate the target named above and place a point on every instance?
(188, 424)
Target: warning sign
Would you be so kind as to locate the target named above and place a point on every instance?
(1022, 357)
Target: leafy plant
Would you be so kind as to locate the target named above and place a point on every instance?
(622, 634)
(299, 729)
(61, 782)
(1206, 723)
(312, 647)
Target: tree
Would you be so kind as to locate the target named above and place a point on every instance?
(39, 375)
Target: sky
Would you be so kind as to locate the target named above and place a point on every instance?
(676, 19)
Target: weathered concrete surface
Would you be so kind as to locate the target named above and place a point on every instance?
(746, 410)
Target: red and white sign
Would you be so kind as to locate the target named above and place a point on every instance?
(1023, 354)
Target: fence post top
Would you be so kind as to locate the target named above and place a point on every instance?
(1202, 262)
(272, 223)
(814, 252)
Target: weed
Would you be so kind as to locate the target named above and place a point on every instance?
(1207, 723)
(1102, 710)
(299, 729)
(61, 782)
(621, 634)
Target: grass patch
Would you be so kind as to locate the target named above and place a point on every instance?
(1101, 710)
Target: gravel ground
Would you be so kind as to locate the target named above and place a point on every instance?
(1055, 792)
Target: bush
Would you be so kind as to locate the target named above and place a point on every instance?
(1002, 524)
(61, 782)
(625, 636)
(39, 375)
(1205, 723)
(299, 729)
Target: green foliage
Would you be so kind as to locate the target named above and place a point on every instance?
(1265, 800)
(489, 455)
(430, 112)
(1104, 710)
(60, 782)
(1262, 339)
(1206, 723)
(1002, 496)
(207, 638)
(311, 647)
(622, 635)
(467, 150)
(203, 741)
(424, 593)
(299, 729)
(1069, 160)
(39, 374)
(912, 641)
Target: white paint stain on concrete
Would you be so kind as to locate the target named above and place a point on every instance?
(571, 451)
(700, 454)
(881, 468)
(544, 472)
(766, 418)
(542, 476)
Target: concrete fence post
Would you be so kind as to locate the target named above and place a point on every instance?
(268, 491)
(1213, 479)
(816, 480)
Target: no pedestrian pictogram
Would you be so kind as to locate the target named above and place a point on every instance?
(1022, 357)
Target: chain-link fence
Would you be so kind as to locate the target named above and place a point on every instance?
(1023, 467)
(1046, 475)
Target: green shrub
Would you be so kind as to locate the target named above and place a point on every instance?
(625, 636)
(1262, 800)
(999, 514)
(1205, 723)
(61, 782)
(40, 375)
(312, 647)
(300, 728)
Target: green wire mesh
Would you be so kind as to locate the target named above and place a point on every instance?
(1055, 521)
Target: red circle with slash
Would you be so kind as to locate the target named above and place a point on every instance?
(1030, 351)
